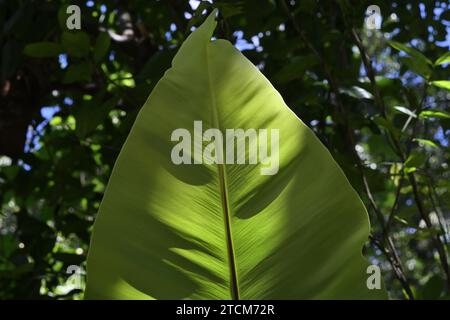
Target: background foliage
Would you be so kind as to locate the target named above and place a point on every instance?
(379, 100)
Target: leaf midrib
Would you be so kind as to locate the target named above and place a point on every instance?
(234, 287)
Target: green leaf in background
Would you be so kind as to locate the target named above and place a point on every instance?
(155, 67)
(101, 46)
(411, 51)
(417, 66)
(435, 114)
(75, 43)
(443, 59)
(405, 111)
(296, 68)
(78, 72)
(8, 244)
(386, 124)
(441, 84)
(415, 160)
(432, 289)
(90, 114)
(43, 49)
(356, 92)
(215, 231)
(231, 9)
(426, 142)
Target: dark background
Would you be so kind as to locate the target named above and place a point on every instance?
(69, 98)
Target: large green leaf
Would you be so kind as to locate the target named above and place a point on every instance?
(212, 231)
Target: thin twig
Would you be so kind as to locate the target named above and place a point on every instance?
(398, 270)
(394, 206)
